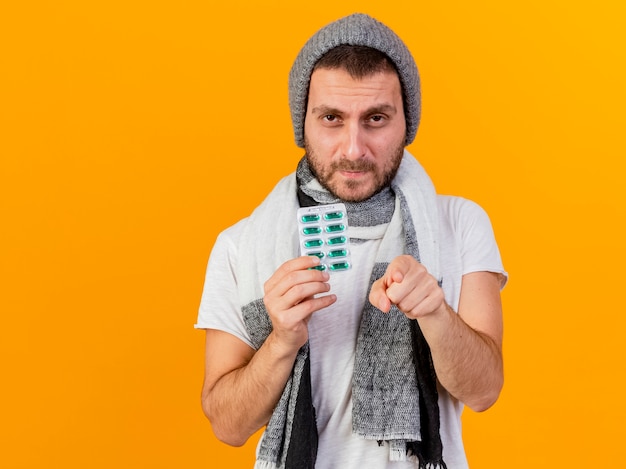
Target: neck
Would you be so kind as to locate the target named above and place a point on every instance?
(376, 210)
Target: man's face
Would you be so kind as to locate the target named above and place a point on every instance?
(354, 131)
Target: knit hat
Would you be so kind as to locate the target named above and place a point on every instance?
(359, 30)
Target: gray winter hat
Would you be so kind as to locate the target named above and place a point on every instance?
(359, 30)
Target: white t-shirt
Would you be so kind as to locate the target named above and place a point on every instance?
(467, 245)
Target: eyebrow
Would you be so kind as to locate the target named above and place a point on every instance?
(324, 109)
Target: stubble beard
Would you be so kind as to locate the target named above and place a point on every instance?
(324, 174)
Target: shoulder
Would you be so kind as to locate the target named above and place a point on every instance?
(233, 232)
(224, 252)
(466, 224)
(460, 212)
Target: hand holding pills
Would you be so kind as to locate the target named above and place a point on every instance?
(292, 295)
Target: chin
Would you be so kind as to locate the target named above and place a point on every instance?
(351, 195)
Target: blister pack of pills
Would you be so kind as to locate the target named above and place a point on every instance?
(323, 232)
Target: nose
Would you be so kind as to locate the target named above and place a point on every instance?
(353, 141)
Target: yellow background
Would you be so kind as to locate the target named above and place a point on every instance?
(132, 132)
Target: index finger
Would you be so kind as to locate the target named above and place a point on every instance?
(397, 269)
(292, 265)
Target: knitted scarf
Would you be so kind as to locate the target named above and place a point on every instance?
(394, 383)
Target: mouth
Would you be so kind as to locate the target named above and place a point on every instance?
(352, 174)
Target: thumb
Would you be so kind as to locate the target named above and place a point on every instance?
(378, 296)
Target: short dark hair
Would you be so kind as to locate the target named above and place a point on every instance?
(358, 61)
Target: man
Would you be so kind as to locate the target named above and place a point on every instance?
(368, 367)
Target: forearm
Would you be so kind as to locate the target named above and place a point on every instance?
(242, 401)
(468, 363)
(242, 386)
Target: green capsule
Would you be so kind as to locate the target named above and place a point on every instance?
(313, 243)
(335, 228)
(333, 216)
(340, 266)
(318, 267)
(338, 253)
(336, 240)
(312, 230)
(316, 254)
(310, 218)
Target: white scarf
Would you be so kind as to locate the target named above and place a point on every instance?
(268, 240)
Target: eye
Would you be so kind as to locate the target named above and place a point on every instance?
(376, 120)
(330, 118)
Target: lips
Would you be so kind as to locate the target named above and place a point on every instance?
(353, 169)
(353, 166)
(352, 174)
